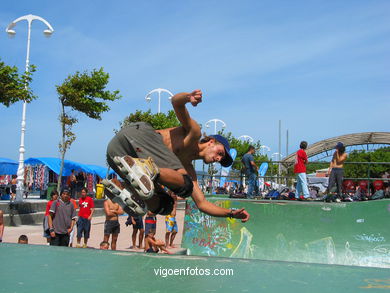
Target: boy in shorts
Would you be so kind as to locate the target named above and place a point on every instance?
(138, 227)
(111, 225)
(153, 245)
(171, 225)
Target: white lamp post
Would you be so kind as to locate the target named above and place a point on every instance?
(47, 32)
(246, 138)
(159, 91)
(215, 124)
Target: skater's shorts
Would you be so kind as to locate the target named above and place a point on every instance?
(83, 227)
(140, 140)
(111, 227)
(151, 250)
(170, 223)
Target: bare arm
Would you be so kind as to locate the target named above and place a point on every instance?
(160, 244)
(179, 102)
(108, 211)
(50, 223)
(340, 159)
(332, 163)
(119, 211)
(254, 165)
(92, 211)
(209, 208)
(71, 225)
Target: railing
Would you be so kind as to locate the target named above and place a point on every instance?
(275, 177)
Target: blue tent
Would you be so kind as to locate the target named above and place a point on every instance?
(54, 164)
(8, 167)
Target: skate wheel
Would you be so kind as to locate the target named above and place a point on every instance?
(117, 161)
(106, 183)
(116, 192)
(134, 183)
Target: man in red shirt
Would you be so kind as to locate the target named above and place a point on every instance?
(86, 209)
(46, 232)
(300, 170)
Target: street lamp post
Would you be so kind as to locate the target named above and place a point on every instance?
(246, 138)
(47, 32)
(215, 124)
(159, 91)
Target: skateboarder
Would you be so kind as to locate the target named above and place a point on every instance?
(145, 158)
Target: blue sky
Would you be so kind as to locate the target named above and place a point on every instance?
(322, 67)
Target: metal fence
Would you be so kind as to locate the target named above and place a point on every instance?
(281, 174)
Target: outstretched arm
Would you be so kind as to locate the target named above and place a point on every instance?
(179, 102)
(209, 208)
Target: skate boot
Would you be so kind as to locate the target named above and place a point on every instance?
(139, 173)
(126, 198)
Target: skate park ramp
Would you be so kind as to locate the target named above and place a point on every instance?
(354, 233)
(35, 268)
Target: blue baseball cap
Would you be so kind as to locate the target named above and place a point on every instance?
(227, 159)
(339, 145)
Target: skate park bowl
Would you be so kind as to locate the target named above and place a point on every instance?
(354, 233)
(285, 247)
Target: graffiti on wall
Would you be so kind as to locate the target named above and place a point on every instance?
(214, 236)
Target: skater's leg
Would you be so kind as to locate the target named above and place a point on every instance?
(171, 178)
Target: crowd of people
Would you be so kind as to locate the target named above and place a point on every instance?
(338, 189)
(65, 217)
(61, 221)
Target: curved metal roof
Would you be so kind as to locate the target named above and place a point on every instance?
(348, 140)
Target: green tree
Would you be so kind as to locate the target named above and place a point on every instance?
(158, 121)
(13, 86)
(365, 170)
(82, 92)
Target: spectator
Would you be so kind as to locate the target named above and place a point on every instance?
(1, 226)
(250, 171)
(153, 245)
(111, 225)
(62, 218)
(336, 172)
(23, 239)
(72, 181)
(150, 222)
(46, 232)
(14, 183)
(302, 191)
(74, 202)
(138, 226)
(171, 225)
(80, 178)
(86, 210)
(104, 245)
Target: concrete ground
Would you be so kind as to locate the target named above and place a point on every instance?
(35, 232)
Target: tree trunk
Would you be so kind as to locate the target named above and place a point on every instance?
(62, 150)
